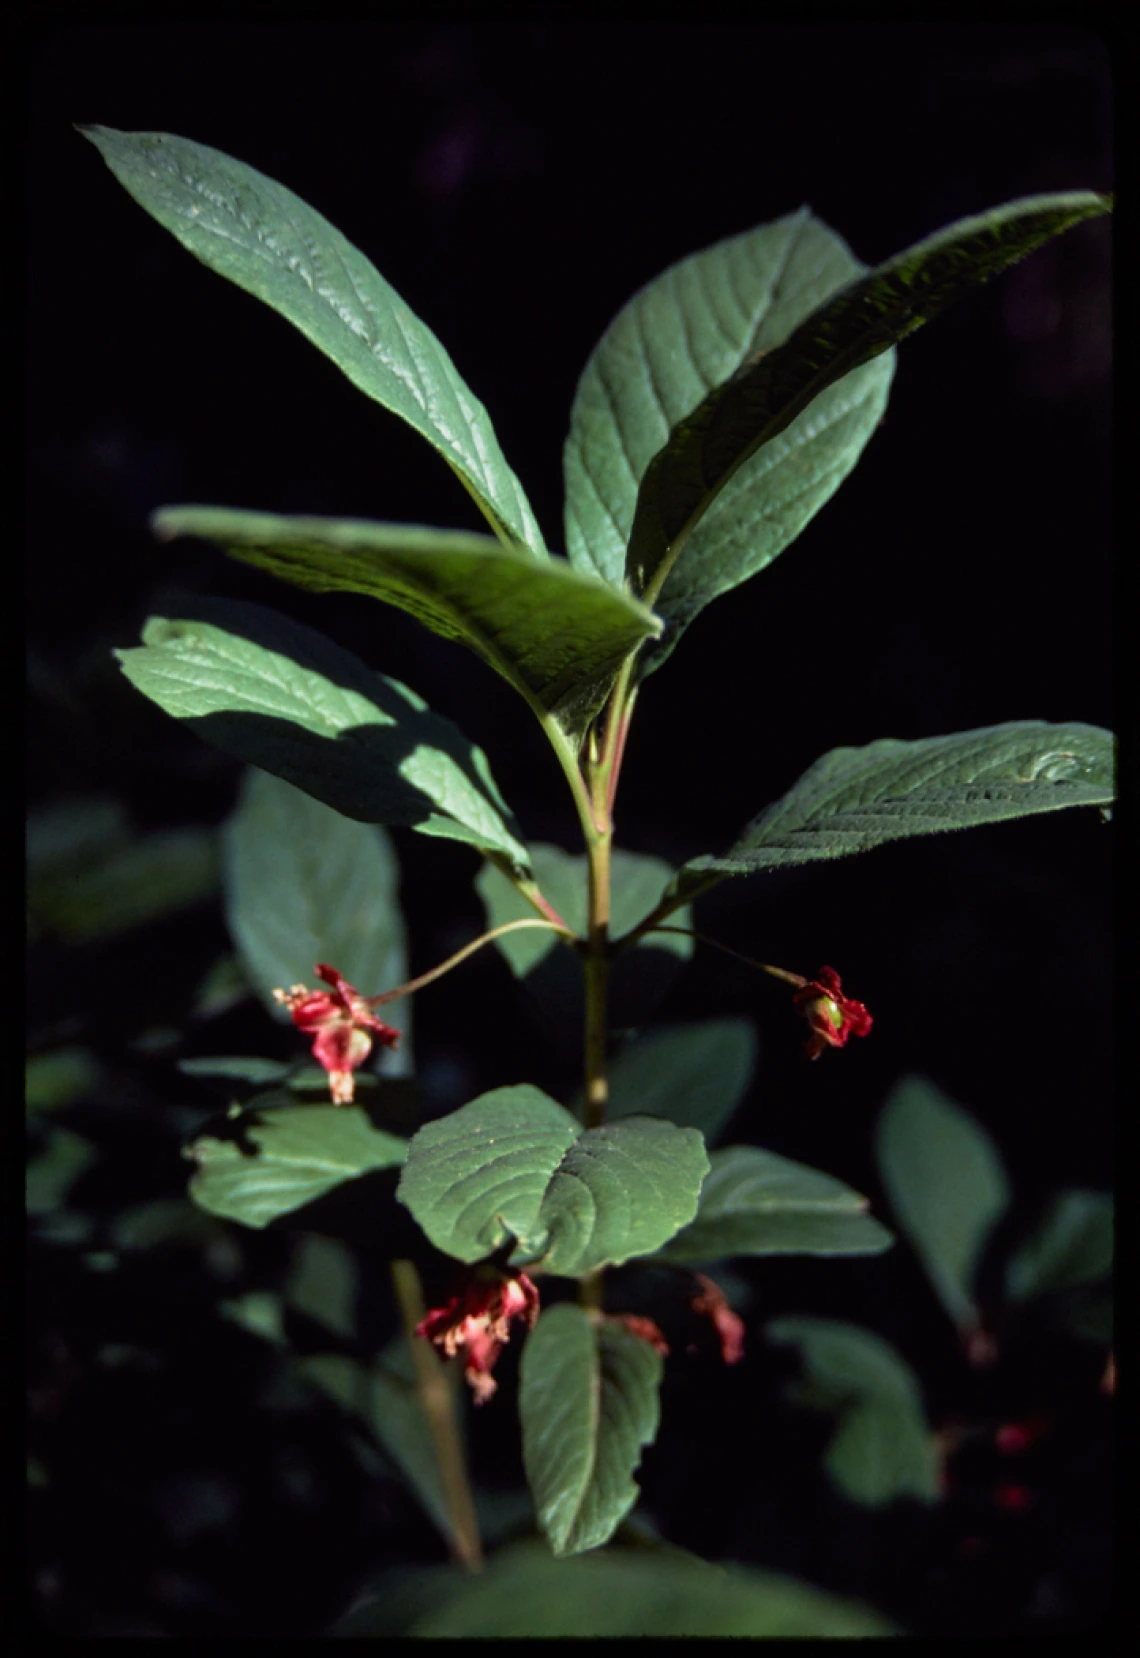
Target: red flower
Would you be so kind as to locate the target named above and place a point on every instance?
(478, 1319)
(712, 1304)
(341, 1025)
(1014, 1437)
(644, 1328)
(833, 1017)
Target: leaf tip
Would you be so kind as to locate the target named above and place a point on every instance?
(163, 524)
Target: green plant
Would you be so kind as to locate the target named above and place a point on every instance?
(719, 412)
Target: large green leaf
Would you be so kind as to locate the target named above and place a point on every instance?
(685, 333)
(283, 697)
(883, 1447)
(756, 1203)
(778, 379)
(854, 799)
(304, 885)
(261, 236)
(946, 1185)
(588, 1400)
(1071, 1247)
(695, 1075)
(637, 979)
(624, 1592)
(514, 1165)
(555, 635)
(282, 1156)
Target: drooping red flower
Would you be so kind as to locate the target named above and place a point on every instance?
(478, 1320)
(644, 1328)
(1014, 1437)
(833, 1017)
(710, 1302)
(342, 1027)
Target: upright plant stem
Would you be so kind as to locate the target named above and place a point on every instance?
(436, 1390)
(597, 966)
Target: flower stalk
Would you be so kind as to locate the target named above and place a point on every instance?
(436, 1391)
(505, 927)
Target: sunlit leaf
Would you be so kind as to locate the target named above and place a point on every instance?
(260, 235)
(281, 696)
(283, 1155)
(514, 1165)
(854, 799)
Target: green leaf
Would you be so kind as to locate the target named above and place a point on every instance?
(685, 333)
(59, 1078)
(556, 636)
(779, 378)
(756, 1203)
(883, 1448)
(621, 1592)
(383, 1397)
(151, 877)
(261, 236)
(854, 799)
(946, 1185)
(514, 1165)
(260, 1312)
(554, 976)
(304, 885)
(1072, 1246)
(237, 1068)
(282, 697)
(588, 1400)
(695, 1075)
(323, 1284)
(53, 1171)
(283, 1156)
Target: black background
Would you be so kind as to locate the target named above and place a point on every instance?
(516, 182)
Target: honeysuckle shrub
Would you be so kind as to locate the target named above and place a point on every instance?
(719, 412)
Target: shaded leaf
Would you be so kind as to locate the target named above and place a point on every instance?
(632, 1593)
(59, 1078)
(1072, 1246)
(558, 637)
(166, 1221)
(777, 383)
(304, 885)
(323, 1283)
(53, 1171)
(588, 1401)
(382, 1396)
(756, 1203)
(513, 1164)
(695, 1075)
(883, 1448)
(944, 1178)
(854, 799)
(260, 235)
(281, 696)
(285, 1155)
(638, 979)
(685, 333)
(153, 876)
(250, 1069)
(260, 1312)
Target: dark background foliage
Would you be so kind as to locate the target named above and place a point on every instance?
(516, 183)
